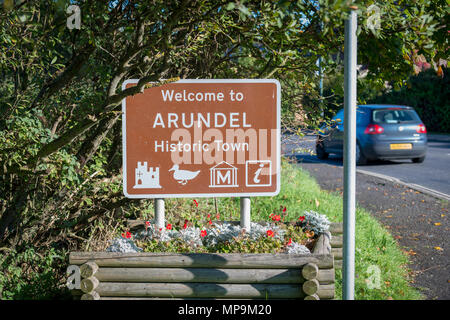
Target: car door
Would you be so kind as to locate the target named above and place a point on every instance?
(333, 141)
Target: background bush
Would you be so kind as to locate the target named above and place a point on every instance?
(428, 94)
(28, 275)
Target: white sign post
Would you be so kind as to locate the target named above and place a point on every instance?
(348, 272)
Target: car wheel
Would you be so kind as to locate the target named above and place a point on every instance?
(320, 151)
(360, 158)
(418, 160)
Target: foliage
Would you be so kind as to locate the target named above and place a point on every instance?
(367, 90)
(315, 222)
(218, 238)
(245, 245)
(237, 245)
(31, 276)
(428, 94)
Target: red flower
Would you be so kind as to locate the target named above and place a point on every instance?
(289, 242)
(284, 209)
(196, 203)
(169, 226)
(217, 216)
(302, 218)
(126, 235)
(208, 216)
(209, 222)
(270, 233)
(160, 229)
(185, 226)
(147, 223)
(203, 233)
(276, 218)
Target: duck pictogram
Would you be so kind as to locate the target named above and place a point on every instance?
(183, 176)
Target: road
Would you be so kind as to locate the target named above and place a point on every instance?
(433, 173)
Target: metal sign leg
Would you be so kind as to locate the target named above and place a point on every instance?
(159, 213)
(245, 213)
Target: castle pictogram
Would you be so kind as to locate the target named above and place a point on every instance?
(146, 178)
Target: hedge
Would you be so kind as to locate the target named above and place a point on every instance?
(428, 94)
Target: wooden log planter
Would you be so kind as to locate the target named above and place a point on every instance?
(336, 230)
(122, 276)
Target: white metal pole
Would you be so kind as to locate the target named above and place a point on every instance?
(159, 213)
(350, 48)
(322, 113)
(245, 213)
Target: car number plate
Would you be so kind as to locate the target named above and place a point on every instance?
(400, 146)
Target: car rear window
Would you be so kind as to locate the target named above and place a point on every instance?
(394, 115)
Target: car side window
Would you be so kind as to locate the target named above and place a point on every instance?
(338, 119)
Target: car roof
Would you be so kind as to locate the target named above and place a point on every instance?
(383, 106)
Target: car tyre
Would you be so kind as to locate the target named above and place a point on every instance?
(320, 151)
(360, 157)
(418, 160)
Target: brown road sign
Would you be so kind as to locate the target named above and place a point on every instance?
(202, 138)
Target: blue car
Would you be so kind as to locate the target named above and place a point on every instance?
(382, 132)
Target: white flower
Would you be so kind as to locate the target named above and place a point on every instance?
(123, 245)
(296, 248)
(316, 222)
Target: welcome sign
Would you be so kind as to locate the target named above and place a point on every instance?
(202, 138)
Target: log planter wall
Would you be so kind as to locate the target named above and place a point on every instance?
(122, 276)
(336, 230)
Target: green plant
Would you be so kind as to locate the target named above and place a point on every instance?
(221, 238)
(244, 245)
(30, 275)
(238, 244)
(428, 94)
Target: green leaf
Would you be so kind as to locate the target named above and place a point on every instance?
(230, 6)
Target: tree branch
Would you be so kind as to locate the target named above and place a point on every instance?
(65, 77)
